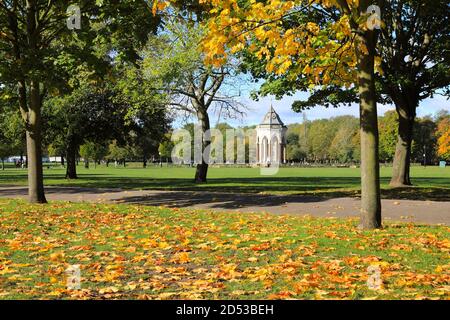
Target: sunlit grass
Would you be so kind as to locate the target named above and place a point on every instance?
(429, 183)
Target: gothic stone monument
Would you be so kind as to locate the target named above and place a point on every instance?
(271, 140)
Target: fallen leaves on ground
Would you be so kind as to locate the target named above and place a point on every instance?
(137, 252)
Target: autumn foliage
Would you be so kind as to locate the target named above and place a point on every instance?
(444, 138)
(134, 252)
(323, 54)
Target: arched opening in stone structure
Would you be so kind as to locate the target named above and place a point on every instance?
(264, 150)
(274, 150)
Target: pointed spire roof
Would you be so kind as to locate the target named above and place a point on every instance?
(272, 118)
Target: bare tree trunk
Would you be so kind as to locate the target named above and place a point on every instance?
(402, 158)
(34, 152)
(370, 175)
(62, 160)
(71, 170)
(202, 168)
(30, 108)
(201, 173)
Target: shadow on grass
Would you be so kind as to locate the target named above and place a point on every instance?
(215, 200)
(428, 188)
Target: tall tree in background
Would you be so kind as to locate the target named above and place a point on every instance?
(415, 50)
(444, 138)
(34, 33)
(195, 87)
(388, 128)
(424, 142)
(286, 37)
(414, 54)
(12, 131)
(87, 115)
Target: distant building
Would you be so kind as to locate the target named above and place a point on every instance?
(52, 159)
(15, 159)
(45, 159)
(271, 139)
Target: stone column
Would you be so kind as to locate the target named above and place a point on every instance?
(257, 153)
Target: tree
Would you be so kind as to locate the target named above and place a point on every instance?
(118, 153)
(413, 52)
(342, 147)
(413, 44)
(165, 147)
(12, 131)
(56, 150)
(34, 34)
(322, 54)
(94, 151)
(302, 130)
(148, 118)
(88, 114)
(293, 149)
(444, 138)
(195, 87)
(388, 127)
(5, 149)
(424, 142)
(321, 134)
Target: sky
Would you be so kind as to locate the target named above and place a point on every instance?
(257, 109)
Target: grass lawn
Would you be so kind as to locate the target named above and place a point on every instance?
(430, 183)
(132, 252)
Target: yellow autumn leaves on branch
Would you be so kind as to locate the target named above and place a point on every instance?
(444, 138)
(286, 35)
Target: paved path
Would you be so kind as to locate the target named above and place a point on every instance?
(430, 212)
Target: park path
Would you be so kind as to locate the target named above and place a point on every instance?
(428, 212)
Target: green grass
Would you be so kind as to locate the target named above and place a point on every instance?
(133, 252)
(429, 183)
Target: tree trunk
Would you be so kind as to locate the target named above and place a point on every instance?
(370, 175)
(34, 152)
(144, 162)
(402, 158)
(86, 163)
(202, 168)
(62, 160)
(3, 164)
(71, 170)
